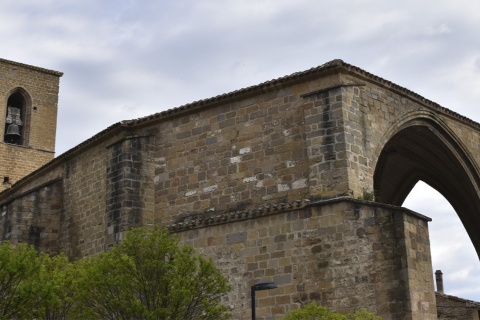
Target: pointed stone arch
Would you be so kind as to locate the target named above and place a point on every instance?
(19, 99)
(422, 147)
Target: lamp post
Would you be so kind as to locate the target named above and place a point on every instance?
(260, 285)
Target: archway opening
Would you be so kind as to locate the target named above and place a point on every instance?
(423, 151)
(451, 248)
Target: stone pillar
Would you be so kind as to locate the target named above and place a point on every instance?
(129, 186)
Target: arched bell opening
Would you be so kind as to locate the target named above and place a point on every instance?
(424, 151)
(17, 118)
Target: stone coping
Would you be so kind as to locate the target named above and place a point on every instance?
(48, 71)
(205, 220)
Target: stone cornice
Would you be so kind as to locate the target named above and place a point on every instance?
(217, 219)
(201, 221)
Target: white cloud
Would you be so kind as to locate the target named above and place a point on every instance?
(437, 30)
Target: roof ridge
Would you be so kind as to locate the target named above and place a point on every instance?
(292, 76)
(335, 63)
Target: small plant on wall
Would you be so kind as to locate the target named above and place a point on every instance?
(368, 195)
(313, 311)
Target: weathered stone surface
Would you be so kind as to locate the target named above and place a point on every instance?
(343, 254)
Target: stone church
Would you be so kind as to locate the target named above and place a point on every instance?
(298, 180)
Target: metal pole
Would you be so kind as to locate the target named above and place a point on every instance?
(253, 302)
(261, 285)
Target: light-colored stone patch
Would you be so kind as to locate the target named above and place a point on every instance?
(290, 164)
(236, 159)
(190, 193)
(249, 179)
(245, 150)
(160, 162)
(282, 187)
(302, 183)
(210, 188)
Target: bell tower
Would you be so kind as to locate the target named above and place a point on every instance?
(28, 116)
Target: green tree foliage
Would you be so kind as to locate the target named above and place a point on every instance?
(313, 311)
(20, 293)
(58, 277)
(34, 285)
(151, 276)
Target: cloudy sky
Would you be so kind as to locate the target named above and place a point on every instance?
(125, 59)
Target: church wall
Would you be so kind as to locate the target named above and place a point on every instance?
(276, 146)
(108, 189)
(34, 218)
(83, 218)
(80, 203)
(129, 188)
(343, 254)
(232, 176)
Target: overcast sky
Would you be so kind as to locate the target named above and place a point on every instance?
(125, 59)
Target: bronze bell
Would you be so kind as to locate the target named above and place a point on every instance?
(13, 130)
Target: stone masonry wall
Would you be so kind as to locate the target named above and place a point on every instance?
(18, 161)
(34, 218)
(373, 113)
(278, 146)
(41, 89)
(312, 139)
(129, 199)
(107, 190)
(343, 254)
(83, 222)
(325, 142)
(417, 269)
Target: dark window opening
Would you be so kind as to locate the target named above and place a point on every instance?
(15, 119)
(6, 180)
